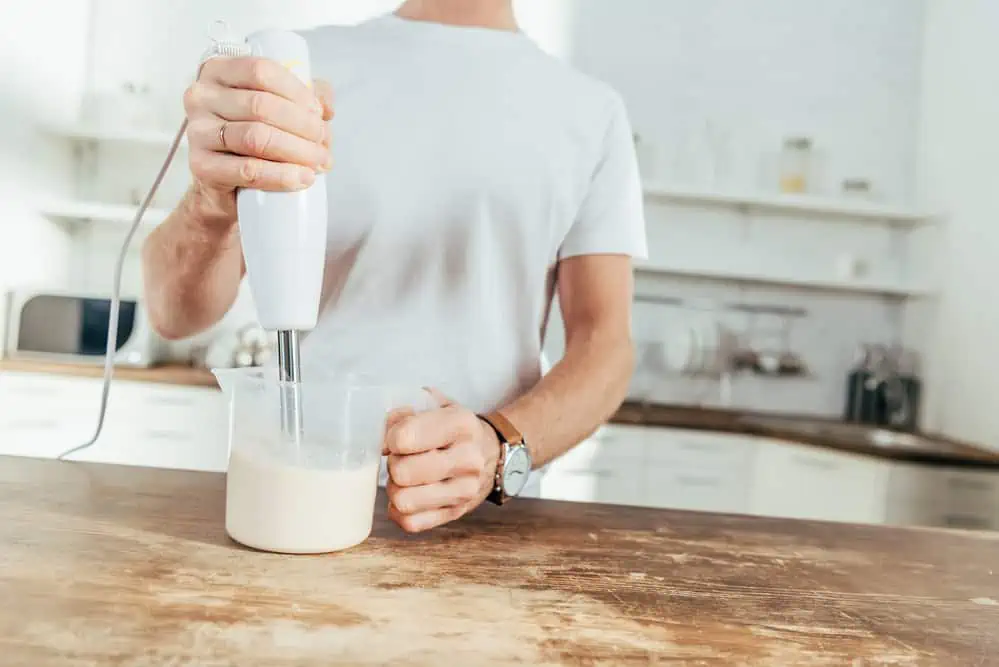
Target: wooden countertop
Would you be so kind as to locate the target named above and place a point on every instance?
(173, 374)
(943, 451)
(936, 449)
(107, 565)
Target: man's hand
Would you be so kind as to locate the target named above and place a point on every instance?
(442, 464)
(252, 123)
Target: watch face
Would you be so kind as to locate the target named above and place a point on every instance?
(516, 471)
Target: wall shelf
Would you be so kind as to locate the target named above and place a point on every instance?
(81, 211)
(846, 209)
(87, 133)
(746, 277)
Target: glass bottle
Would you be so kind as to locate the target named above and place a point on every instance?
(795, 165)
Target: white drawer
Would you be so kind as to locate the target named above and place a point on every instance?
(169, 427)
(611, 447)
(36, 394)
(799, 481)
(592, 486)
(913, 497)
(969, 499)
(697, 450)
(704, 490)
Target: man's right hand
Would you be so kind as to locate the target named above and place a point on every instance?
(253, 124)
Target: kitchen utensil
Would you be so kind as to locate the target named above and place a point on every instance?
(682, 350)
(859, 188)
(283, 236)
(315, 493)
(284, 244)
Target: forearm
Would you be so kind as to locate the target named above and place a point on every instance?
(192, 266)
(579, 394)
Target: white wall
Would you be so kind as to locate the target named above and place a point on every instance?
(846, 73)
(42, 65)
(959, 144)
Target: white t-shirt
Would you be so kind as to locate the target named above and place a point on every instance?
(466, 163)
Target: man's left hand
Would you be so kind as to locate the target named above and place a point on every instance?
(442, 465)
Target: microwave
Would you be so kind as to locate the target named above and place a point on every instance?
(72, 327)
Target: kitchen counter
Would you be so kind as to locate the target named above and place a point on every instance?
(932, 449)
(832, 434)
(107, 565)
(174, 374)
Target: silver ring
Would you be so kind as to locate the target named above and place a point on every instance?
(222, 135)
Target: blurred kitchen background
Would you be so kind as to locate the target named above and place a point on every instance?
(820, 215)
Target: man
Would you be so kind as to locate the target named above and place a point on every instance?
(471, 176)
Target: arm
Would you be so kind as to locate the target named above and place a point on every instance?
(442, 463)
(192, 266)
(584, 389)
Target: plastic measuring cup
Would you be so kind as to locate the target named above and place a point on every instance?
(316, 493)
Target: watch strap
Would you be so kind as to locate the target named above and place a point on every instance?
(508, 435)
(506, 431)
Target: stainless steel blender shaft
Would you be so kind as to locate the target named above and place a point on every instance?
(290, 378)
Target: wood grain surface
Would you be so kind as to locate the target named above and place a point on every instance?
(175, 374)
(117, 566)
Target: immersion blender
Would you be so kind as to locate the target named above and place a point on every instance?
(284, 245)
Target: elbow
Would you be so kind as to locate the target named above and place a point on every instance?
(158, 312)
(163, 325)
(626, 367)
(165, 329)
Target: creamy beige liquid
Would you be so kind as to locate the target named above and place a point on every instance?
(274, 506)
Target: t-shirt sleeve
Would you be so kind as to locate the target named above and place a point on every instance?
(611, 219)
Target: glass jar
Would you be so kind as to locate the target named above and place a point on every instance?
(795, 165)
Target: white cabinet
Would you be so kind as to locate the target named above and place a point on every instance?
(698, 470)
(146, 424)
(799, 481)
(968, 499)
(913, 498)
(606, 468)
(43, 415)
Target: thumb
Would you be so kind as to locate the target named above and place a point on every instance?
(443, 400)
(324, 93)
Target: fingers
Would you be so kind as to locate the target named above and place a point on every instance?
(203, 99)
(395, 417)
(233, 171)
(432, 429)
(253, 73)
(454, 492)
(433, 466)
(324, 91)
(416, 523)
(276, 135)
(441, 399)
(259, 140)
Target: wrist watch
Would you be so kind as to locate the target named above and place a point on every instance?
(514, 463)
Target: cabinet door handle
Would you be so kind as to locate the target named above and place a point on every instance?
(970, 484)
(965, 521)
(33, 424)
(166, 434)
(706, 447)
(818, 464)
(688, 480)
(173, 401)
(599, 474)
